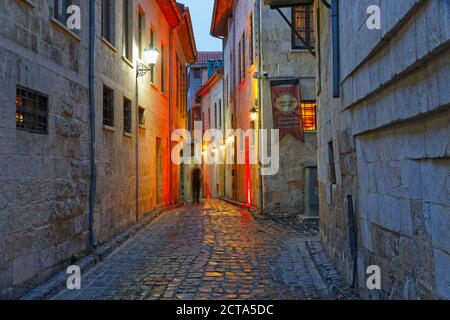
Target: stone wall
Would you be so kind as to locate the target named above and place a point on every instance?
(284, 192)
(44, 179)
(390, 132)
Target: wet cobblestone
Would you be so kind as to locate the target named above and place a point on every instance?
(212, 251)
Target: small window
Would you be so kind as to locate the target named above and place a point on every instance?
(126, 115)
(331, 162)
(220, 114)
(309, 115)
(152, 45)
(215, 116)
(197, 73)
(128, 29)
(108, 106)
(108, 21)
(60, 10)
(141, 30)
(141, 116)
(163, 69)
(31, 111)
(303, 21)
(243, 57)
(250, 42)
(239, 62)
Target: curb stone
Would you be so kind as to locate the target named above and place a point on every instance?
(328, 273)
(58, 282)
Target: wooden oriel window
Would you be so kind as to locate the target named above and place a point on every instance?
(303, 21)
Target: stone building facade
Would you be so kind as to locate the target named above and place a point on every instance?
(45, 144)
(259, 48)
(198, 75)
(384, 141)
(211, 97)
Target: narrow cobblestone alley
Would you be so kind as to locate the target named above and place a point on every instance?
(212, 251)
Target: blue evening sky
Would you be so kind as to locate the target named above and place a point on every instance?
(201, 12)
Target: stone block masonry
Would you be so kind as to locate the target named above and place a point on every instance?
(45, 176)
(44, 183)
(389, 135)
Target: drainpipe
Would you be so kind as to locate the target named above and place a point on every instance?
(93, 184)
(259, 9)
(137, 146)
(170, 108)
(234, 55)
(336, 48)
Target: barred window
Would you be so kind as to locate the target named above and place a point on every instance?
(126, 115)
(303, 21)
(108, 106)
(309, 115)
(31, 111)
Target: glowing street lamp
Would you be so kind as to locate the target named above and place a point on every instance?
(253, 114)
(150, 57)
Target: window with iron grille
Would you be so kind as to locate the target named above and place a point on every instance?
(31, 111)
(303, 21)
(126, 115)
(309, 115)
(141, 116)
(108, 106)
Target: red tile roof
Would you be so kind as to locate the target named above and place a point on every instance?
(204, 56)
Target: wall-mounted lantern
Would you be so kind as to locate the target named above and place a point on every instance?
(254, 113)
(150, 57)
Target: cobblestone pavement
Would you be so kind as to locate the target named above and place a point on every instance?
(212, 251)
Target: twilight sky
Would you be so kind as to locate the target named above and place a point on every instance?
(201, 12)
